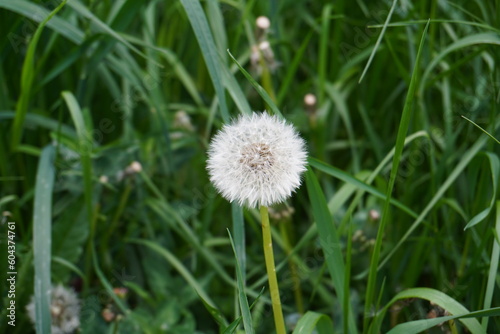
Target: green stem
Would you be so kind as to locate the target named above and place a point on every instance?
(271, 271)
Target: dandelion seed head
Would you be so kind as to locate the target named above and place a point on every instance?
(257, 160)
(64, 308)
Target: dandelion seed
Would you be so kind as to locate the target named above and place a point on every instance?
(257, 160)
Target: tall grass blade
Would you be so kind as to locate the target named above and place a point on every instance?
(42, 238)
(493, 272)
(205, 39)
(379, 39)
(245, 308)
(403, 129)
(329, 240)
(27, 77)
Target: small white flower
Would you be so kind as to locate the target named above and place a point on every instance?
(65, 310)
(257, 160)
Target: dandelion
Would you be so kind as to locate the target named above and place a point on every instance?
(257, 160)
(64, 308)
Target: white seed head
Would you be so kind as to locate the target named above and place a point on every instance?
(257, 160)
(64, 308)
(263, 22)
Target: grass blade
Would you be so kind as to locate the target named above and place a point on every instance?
(42, 238)
(493, 272)
(495, 171)
(262, 92)
(403, 129)
(311, 320)
(379, 39)
(27, 76)
(205, 39)
(329, 239)
(245, 308)
(436, 297)
(419, 326)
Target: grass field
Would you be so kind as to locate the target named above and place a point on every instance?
(107, 109)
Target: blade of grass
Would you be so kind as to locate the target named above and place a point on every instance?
(262, 92)
(437, 298)
(419, 326)
(27, 76)
(495, 171)
(42, 238)
(493, 272)
(403, 129)
(480, 128)
(174, 261)
(206, 42)
(313, 320)
(379, 39)
(245, 309)
(329, 240)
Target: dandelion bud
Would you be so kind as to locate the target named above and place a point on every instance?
(263, 23)
(183, 121)
(135, 167)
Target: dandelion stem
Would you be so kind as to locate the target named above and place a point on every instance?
(271, 271)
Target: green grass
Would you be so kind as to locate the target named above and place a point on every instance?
(397, 218)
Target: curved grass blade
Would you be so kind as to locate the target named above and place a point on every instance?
(42, 238)
(495, 171)
(403, 129)
(205, 39)
(343, 176)
(311, 320)
(482, 38)
(480, 128)
(172, 259)
(419, 326)
(436, 297)
(59, 25)
(27, 76)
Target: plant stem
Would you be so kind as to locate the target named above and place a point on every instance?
(271, 271)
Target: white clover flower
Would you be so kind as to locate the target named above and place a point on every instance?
(257, 160)
(65, 310)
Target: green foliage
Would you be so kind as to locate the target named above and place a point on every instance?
(106, 112)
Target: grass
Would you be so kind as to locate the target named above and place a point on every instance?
(395, 228)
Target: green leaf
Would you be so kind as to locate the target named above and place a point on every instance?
(311, 320)
(42, 238)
